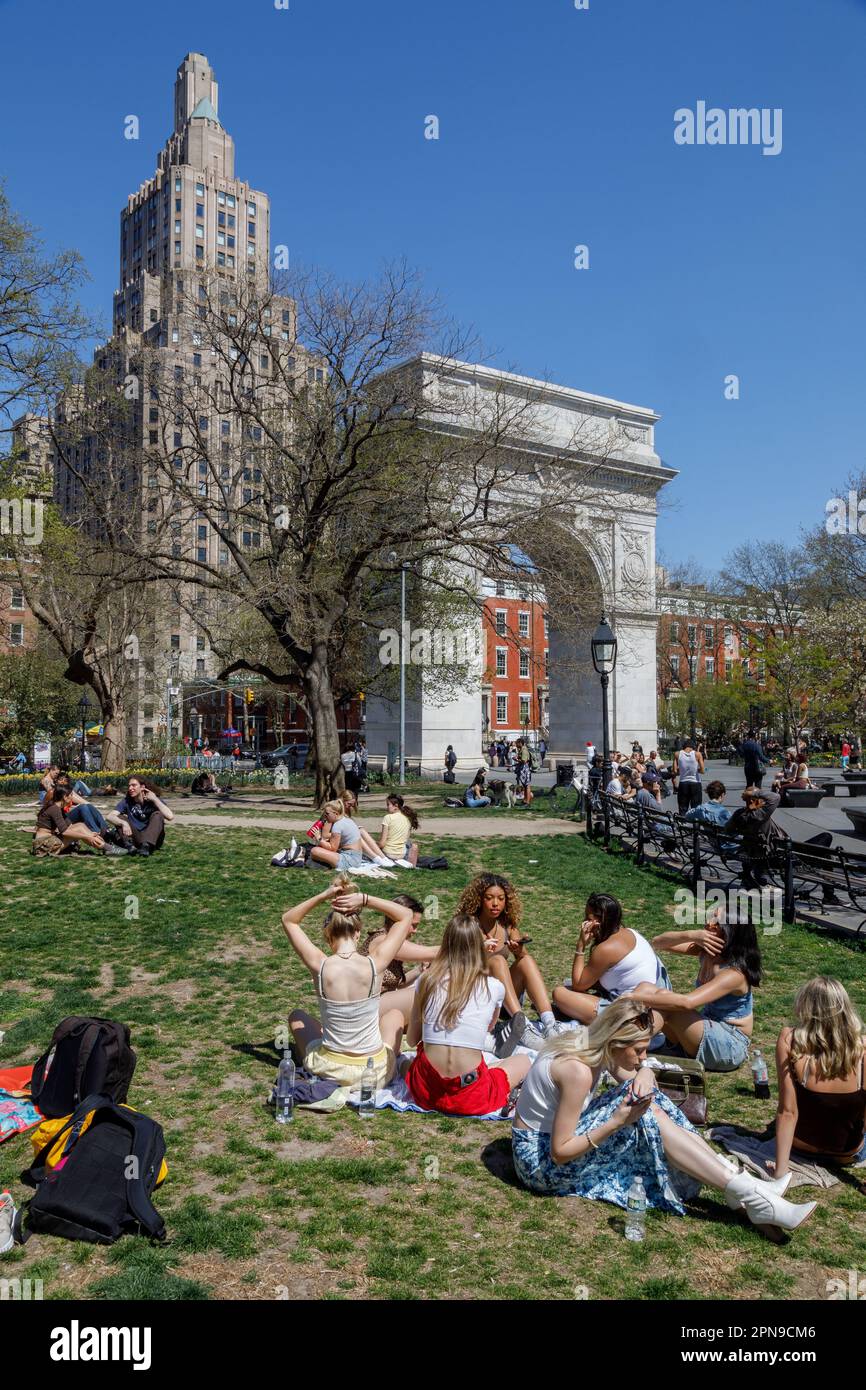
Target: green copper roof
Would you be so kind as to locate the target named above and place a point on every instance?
(206, 111)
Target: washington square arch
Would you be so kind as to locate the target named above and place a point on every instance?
(601, 558)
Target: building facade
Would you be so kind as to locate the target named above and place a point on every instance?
(514, 692)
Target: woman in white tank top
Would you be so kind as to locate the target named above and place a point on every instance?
(348, 985)
(619, 954)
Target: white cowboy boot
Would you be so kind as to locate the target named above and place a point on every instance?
(765, 1208)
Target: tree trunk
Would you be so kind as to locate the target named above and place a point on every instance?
(330, 778)
(113, 741)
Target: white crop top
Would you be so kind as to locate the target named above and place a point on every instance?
(539, 1097)
(472, 1025)
(639, 965)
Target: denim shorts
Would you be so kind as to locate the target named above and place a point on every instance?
(350, 859)
(724, 1047)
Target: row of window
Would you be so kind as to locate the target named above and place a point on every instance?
(524, 705)
(710, 667)
(522, 623)
(709, 634)
(502, 663)
(16, 634)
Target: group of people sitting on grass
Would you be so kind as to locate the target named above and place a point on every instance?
(569, 1136)
(336, 838)
(67, 822)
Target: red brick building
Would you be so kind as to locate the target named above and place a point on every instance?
(515, 684)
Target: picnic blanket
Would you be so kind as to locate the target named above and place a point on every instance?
(756, 1149)
(396, 1095)
(17, 1111)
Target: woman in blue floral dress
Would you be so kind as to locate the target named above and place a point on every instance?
(567, 1140)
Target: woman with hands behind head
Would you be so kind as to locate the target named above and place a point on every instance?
(348, 985)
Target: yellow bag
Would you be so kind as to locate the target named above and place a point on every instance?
(40, 1136)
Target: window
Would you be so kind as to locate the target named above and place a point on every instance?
(221, 238)
(675, 632)
(230, 200)
(175, 641)
(286, 316)
(311, 375)
(201, 533)
(729, 637)
(501, 616)
(199, 231)
(199, 255)
(153, 415)
(500, 588)
(175, 336)
(152, 436)
(178, 185)
(199, 666)
(502, 709)
(17, 599)
(251, 209)
(546, 627)
(231, 221)
(524, 709)
(225, 427)
(708, 635)
(729, 668)
(221, 199)
(692, 634)
(501, 661)
(202, 422)
(675, 668)
(693, 662)
(524, 665)
(221, 257)
(523, 624)
(199, 190)
(761, 671)
(177, 248)
(320, 375)
(177, 204)
(199, 644)
(546, 664)
(16, 634)
(201, 554)
(710, 666)
(196, 359)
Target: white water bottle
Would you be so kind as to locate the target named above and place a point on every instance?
(285, 1089)
(367, 1106)
(635, 1217)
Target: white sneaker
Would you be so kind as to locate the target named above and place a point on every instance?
(7, 1222)
(402, 863)
(293, 848)
(556, 1029)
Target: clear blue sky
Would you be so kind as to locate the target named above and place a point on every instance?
(556, 129)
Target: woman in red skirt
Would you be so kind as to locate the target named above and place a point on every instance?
(457, 1002)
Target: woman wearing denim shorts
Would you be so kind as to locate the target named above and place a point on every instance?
(713, 1022)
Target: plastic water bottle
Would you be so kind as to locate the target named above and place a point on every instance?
(635, 1217)
(285, 1091)
(760, 1075)
(367, 1106)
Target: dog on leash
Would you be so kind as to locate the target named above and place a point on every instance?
(501, 794)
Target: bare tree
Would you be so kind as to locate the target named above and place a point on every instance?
(318, 441)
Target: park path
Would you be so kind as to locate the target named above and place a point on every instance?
(471, 823)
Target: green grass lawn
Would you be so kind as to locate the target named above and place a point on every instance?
(335, 1207)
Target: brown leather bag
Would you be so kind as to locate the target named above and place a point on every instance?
(683, 1081)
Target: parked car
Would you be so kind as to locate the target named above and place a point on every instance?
(290, 755)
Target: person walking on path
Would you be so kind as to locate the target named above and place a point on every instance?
(754, 759)
(690, 765)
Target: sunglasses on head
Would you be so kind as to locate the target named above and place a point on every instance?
(644, 1019)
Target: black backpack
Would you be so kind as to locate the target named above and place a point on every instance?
(87, 1056)
(96, 1194)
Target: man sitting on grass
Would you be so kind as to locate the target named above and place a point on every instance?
(142, 816)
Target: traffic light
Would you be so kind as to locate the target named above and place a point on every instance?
(250, 695)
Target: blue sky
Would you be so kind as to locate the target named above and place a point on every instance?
(556, 128)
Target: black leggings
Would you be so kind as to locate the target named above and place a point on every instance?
(689, 794)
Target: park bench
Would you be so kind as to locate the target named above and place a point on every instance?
(802, 796)
(855, 782)
(858, 820)
(825, 878)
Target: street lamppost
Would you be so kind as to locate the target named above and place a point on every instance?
(84, 710)
(603, 648)
(393, 558)
(193, 726)
(693, 714)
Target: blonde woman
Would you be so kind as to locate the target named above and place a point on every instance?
(351, 1028)
(342, 841)
(819, 1062)
(568, 1140)
(457, 1002)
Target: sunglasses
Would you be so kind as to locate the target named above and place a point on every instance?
(644, 1019)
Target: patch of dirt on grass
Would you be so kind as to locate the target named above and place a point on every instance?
(106, 976)
(235, 1081)
(271, 1275)
(234, 951)
(296, 1150)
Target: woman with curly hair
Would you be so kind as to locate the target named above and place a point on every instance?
(822, 1089)
(494, 901)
